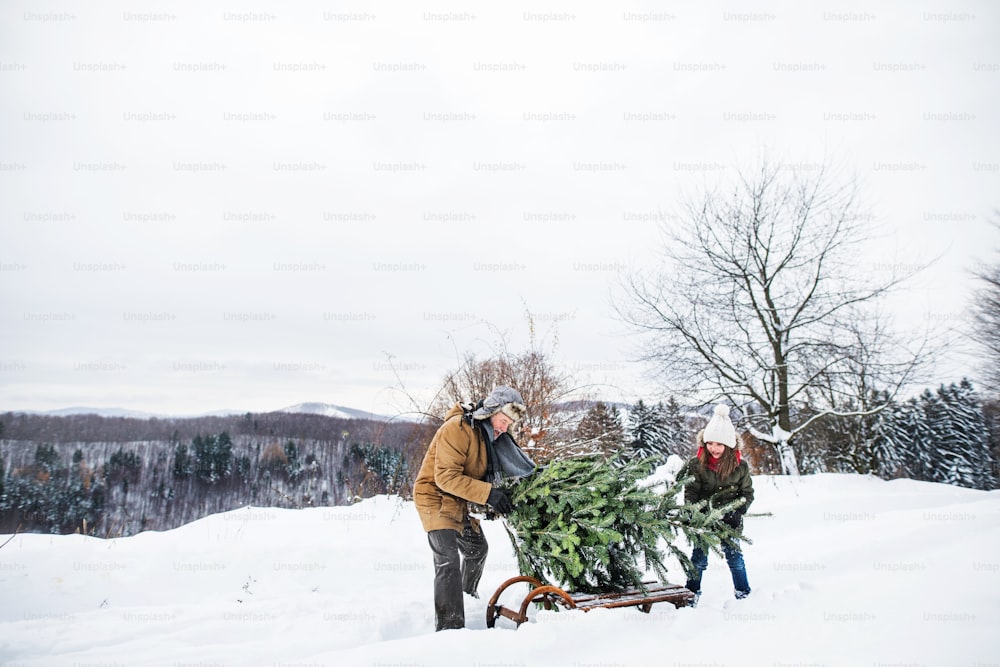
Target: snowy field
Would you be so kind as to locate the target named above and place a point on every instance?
(846, 570)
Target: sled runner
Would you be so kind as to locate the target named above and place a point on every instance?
(549, 595)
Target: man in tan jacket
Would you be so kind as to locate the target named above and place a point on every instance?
(452, 476)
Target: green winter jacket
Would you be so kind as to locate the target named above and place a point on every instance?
(706, 485)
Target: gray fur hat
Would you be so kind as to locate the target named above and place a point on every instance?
(502, 399)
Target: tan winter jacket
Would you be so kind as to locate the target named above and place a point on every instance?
(451, 474)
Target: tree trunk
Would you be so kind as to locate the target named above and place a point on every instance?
(789, 466)
(782, 436)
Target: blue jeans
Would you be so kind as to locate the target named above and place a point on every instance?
(734, 558)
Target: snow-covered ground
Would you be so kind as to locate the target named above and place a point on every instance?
(846, 570)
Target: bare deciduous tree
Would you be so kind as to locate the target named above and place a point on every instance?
(986, 329)
(541, 384)
(762, 300)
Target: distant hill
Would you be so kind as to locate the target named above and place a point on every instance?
(122, 412)
(103, 412)
(329, 410)
(310, 408)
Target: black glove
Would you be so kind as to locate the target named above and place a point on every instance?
(499, 501)
(733, 519)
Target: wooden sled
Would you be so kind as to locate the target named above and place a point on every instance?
(549, 595)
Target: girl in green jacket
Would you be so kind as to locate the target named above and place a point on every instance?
(720, 476)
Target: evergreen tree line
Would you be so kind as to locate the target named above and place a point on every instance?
(950, 435)
(648, 431)
(120, 487)
(114, 489)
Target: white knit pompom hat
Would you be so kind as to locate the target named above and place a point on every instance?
(720, 428)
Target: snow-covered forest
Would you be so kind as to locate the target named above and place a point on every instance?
(841, 567)
(110, 476)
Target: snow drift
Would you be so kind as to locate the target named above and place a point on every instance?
(845, 570)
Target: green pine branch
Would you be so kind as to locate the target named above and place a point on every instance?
(587, 524)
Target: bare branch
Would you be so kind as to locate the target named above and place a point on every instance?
(16, 531)
(759, 296)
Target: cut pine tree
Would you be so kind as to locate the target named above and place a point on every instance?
(591, 525)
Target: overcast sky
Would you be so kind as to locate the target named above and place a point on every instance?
(248, 205)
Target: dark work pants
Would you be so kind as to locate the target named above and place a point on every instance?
(458, 565)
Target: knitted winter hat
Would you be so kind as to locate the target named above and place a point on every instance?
(720, 429)
(505, 400)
